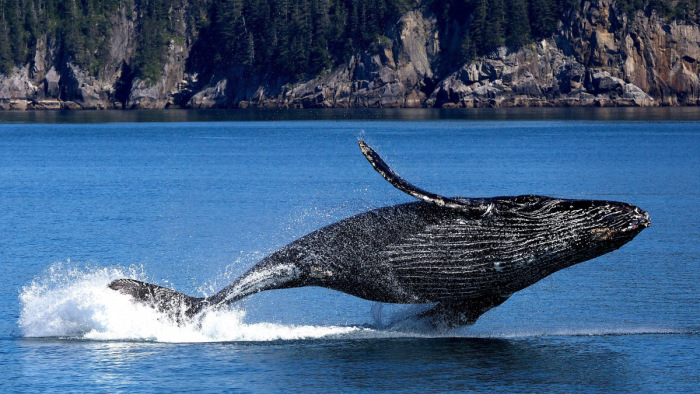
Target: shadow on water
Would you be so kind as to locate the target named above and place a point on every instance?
(458, 364)
(395, 364)
(450, 364)
(413, 114)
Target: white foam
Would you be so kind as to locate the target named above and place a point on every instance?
(74, 303)
(70, 302)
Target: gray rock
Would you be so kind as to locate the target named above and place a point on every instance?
(52, 81)
(163, 93)
(46, 104)
(603, 82)
(16, 90)
(83, 89)
(211, 97)
(637, 95)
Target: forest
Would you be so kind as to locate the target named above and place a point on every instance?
(277, 38)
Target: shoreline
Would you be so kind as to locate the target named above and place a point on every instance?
(16, 105)
(526, 114)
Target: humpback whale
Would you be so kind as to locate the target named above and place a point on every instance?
(465, 255)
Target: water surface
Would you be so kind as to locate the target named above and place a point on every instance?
(190, 199)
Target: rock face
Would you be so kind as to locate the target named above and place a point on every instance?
(393, 74)
(165, 91)
(598, 57)
(53, 82)
(16, 89)
(540, 75)
(658, 57)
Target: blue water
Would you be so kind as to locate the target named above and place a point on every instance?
(189, 202)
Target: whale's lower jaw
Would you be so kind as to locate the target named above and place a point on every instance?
(461, 313)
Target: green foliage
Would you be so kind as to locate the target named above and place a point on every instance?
(543, 17)
(80, 27)
(686, 10)
(153, 39)
(285, 38)
(6, 60)
(518, 31)
(484, 25)
(682, 10)
(290, 38)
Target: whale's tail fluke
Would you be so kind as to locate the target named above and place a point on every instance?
(182, 308)
(177, 305)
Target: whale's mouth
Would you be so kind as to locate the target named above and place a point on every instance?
(640, 221)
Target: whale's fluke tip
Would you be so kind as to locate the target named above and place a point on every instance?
(363, 146)
(160, 298)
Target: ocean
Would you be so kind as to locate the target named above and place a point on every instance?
(192, 199)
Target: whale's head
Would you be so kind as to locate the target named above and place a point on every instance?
(621, 224)
(588, 228)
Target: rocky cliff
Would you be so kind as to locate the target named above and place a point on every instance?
(598, 57)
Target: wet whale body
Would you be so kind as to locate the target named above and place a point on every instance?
(466, 255)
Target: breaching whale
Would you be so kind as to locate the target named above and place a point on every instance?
(467, 255)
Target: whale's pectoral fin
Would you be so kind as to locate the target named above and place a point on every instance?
(176, 304)
(398, 182)
(450, 314)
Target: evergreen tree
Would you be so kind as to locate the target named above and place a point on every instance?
(16, 32)
(262, 23)
(231, 30)
(338, 20)
(486, 31)
(73, 42)
(686, 10)
(478, 29)
(495, 25)
(468, 51)
(281, 38)
(518, 23)
(543, 17)
(354, 26)
(319, 56)
(152, 39)
(300, 39)
(6, 62)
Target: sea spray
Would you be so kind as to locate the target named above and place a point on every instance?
(69, 302)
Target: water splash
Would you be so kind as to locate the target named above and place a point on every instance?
(74, 303)
(71, 302)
